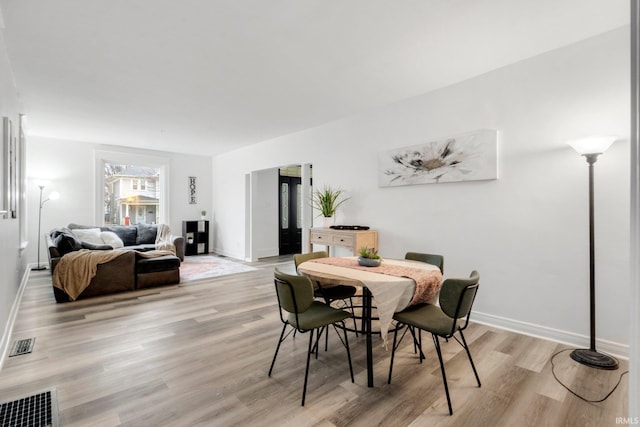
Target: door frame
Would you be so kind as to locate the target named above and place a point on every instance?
(255, 228)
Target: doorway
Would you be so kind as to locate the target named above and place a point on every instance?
(290, 210)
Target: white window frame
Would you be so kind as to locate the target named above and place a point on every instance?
(131, 158)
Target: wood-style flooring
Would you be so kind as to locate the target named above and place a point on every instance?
(198, 354)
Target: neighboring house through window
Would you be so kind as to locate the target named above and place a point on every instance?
(131, 188)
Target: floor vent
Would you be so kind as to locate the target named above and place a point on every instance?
(39, 410)
(22, 347)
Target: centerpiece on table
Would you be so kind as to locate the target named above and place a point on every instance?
(369, 257)
(327, 201)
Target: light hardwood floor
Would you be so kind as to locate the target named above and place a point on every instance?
(198, 354)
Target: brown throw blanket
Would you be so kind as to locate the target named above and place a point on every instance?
(76, 269)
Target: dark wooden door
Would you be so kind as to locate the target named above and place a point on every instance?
(290, 222)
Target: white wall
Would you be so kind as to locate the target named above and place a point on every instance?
(12, 260)
(527, 231)
(70, 168)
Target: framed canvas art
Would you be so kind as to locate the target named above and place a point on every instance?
(467, 157)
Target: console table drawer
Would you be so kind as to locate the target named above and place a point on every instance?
(321, 238)
(343, 240)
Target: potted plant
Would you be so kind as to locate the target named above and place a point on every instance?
(369, 257)
(327, 201)
(203, 214)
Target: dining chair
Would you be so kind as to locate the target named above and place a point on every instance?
(443, 321)
(303, 314)
(433, 259)
(330, 293)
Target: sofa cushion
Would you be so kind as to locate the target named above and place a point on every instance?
(142, 248)
(95, 247)
(146, 234)
(161, 263)
(65, 241)
(126, 233)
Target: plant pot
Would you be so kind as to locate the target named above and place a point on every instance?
(328, 221)
(369, 262)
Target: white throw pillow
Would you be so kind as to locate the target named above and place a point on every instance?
(89, 235)
(110, 238)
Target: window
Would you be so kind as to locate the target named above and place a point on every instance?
(131, 189)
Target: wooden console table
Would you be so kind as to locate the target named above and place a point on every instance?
(354, 239)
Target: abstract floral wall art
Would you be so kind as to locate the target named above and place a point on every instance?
(469, 157)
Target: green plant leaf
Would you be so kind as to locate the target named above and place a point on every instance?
(327, 200)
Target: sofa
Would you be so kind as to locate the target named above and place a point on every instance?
(128, 258)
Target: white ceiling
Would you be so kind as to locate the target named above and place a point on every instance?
(208, 76)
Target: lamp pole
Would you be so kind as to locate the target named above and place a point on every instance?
(38, 266)
(591, 357)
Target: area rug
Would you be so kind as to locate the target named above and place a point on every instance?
(207, 266)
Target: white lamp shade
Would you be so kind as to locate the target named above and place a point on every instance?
(593, 144)
(54, 195)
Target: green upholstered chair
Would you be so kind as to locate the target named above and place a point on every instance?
(437, 260)
(433, 259)
(329, 293)
(300, 311)
(443, 321)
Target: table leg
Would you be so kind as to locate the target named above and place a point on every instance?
(366, 315)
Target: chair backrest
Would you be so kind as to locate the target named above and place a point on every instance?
(295, 293)
(300, 258)
(433, 259)
(457, 296)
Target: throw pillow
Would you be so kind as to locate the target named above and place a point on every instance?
(111, 239)
(126, 233)
(146, 234)
(89, 235)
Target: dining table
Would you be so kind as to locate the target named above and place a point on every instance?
(394, 285)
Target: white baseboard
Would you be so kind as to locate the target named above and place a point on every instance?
(6, 336)
(565, 337)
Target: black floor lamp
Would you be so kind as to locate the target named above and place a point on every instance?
(591, 148)
(53, 196)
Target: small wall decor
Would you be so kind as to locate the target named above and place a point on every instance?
(192, 190)
(467, 157)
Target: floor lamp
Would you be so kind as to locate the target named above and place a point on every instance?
(591, 148)
(53, 196)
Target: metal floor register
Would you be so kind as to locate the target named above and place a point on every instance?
(39, 410)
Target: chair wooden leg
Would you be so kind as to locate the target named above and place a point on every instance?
(306, 372)
(473, 366)
(284, 327)
(436, 342)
